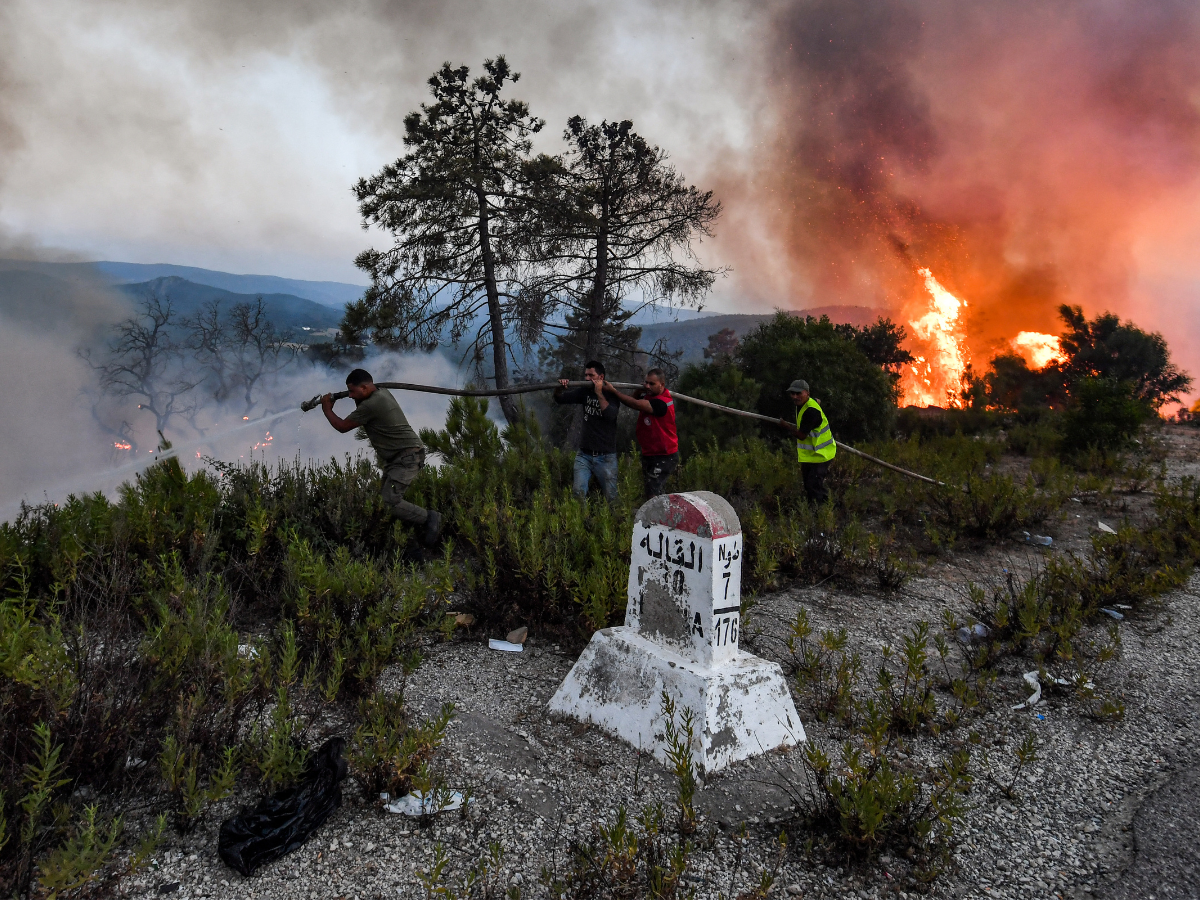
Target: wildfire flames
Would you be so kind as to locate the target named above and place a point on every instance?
(939, 345)
(1039, 350)
(122, 445)
(936, 376)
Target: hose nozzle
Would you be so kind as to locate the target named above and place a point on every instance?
(311, 404)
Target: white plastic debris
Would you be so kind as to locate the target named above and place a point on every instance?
(1031, 679)
(419, 804)
(504, 645)
(1107, 529)
(1042, 540)
(247, 651)
(1111, 613)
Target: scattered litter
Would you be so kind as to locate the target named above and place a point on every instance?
(279, 824)
(134, 762)
(1076, 500)
(1031, 679)
(247, 651)
(463, 619)
(1112, 613)
(977, 632)
(518, 635)
(495, 644)
(420, 804)
(1122, 606)
(1042, 540)
(1041, 718)
(1107, 529)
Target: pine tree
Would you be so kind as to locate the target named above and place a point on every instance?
(451, 203)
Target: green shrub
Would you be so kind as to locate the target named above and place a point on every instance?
(1103, 415)
(863, 805)
(386, 751)
(724, 383)
(858, 396)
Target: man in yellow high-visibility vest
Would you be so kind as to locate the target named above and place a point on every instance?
(815, 445)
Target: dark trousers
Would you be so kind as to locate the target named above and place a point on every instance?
(814, 481)
(655, 472)
(398, 474)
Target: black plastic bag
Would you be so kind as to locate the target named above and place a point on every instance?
(282, 822)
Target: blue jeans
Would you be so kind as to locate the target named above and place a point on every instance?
(603, 466)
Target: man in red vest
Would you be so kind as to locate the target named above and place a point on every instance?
(655, 429)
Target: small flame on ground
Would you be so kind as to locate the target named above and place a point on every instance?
(122, 445)
(936, 378)
(1037, 349)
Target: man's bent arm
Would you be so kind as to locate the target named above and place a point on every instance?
(342, 425)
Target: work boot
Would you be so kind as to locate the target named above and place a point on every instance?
(433, 528)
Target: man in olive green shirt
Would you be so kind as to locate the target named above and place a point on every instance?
(397, 447)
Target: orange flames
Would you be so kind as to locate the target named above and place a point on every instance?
(936, 377)
(122, 445)
(939, 344)
(1038, 350)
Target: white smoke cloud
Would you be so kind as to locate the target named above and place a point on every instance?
(57, 448)
(228, 135)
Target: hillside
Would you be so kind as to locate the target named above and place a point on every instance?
(286, 311)
(691, 336)
(328, 293)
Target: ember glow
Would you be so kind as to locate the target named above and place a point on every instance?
(122, 445)
(1038, 350)
(936, 378)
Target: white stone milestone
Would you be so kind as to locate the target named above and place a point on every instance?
(681, 636)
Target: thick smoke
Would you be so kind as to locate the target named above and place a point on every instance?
(1025, 152)
(228, 134)
(61, 434)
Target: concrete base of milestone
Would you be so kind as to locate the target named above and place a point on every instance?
(742, 707)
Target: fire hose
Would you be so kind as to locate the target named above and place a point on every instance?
(550, 385)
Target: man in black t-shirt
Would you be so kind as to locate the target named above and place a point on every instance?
(597, 454)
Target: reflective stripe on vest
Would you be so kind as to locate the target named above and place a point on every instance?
(819, 445)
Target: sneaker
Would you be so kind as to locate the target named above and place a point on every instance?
(433, 527)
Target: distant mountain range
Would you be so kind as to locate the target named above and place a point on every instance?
(94, 295)
(286, 311)
(328, 293)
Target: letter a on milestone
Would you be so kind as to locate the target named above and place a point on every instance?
(682, 619)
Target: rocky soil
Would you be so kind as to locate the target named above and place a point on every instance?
(1107, 810)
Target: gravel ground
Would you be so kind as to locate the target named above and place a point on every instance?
(1105, 811)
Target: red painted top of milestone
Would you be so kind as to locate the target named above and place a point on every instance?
(701, 513)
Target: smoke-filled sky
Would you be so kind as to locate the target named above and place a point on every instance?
(1029, 153)
(1027, 150)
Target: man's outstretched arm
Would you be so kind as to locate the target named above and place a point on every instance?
(342, 425)
(637, 403)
